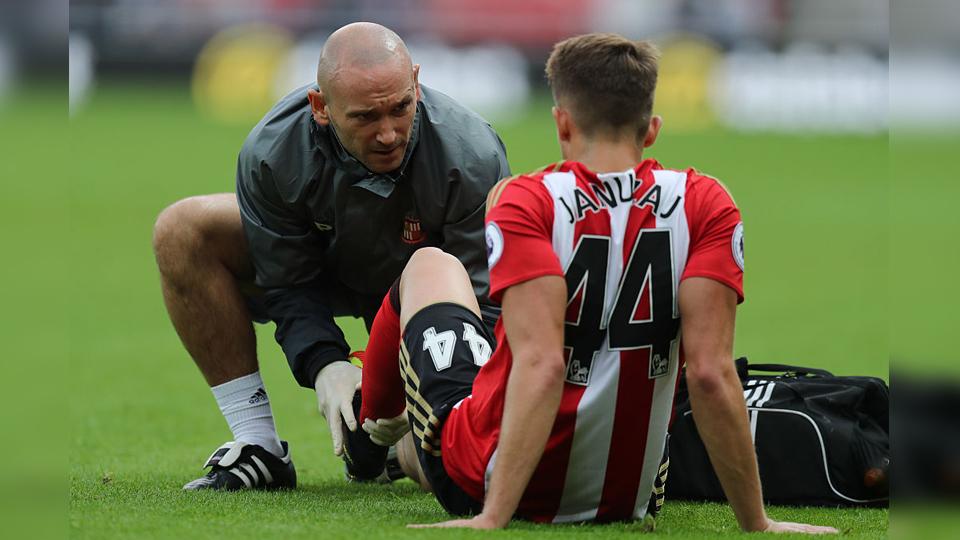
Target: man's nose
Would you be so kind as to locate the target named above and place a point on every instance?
(387, 134)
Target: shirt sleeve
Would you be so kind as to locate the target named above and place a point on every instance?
(716, 235)
(519, 235)
(286, 255)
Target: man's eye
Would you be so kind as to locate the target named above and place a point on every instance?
(400, 109)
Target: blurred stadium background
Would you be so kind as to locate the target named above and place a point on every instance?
(832, 121)
(776, 65)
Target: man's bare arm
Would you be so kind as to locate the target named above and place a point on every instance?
(533, 319)
(707, 311)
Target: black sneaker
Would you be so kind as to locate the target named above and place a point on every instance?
(237, 465)
(364, 459)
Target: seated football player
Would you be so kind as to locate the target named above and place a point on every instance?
(612, 272)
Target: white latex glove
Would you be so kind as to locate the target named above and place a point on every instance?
(335, 386)
(387, 431)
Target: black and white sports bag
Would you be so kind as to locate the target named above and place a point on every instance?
(820, 439)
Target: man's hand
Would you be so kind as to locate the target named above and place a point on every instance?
(478, 522)
(387, 431)
(335, 385)
(802, 528)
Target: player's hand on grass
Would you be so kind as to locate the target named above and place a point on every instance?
(387, 431)
(803, 528)
(335, 385)
(478, 522)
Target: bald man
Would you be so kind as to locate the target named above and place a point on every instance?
(337, 186)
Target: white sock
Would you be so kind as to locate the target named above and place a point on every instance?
(246, 407)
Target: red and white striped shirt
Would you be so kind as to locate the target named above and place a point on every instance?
(624, 241)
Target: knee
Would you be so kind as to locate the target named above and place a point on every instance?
(433, 276)
(432, 261)
(178, 233)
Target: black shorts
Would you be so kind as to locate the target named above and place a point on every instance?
(437, 377)
(345, 302)
(341, 300)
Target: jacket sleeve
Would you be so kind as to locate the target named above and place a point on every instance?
(306, 331)
(287, 254)
(463, 231)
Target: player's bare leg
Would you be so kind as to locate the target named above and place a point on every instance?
(410, 464)
(202, 256)
(431, 277)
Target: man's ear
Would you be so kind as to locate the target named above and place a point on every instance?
(318, 106)
(416, 79)
(562, 118)
(656, 122)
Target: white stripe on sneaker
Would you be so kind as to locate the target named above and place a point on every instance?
(239, 474)
(263, 469)
(252, 472)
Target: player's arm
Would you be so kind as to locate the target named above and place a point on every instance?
(533, 320)
(707, 311)
(709, 292)
(527, 278)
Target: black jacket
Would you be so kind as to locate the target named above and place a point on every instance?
(317, 220)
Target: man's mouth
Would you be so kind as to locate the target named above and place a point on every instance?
(388, 152)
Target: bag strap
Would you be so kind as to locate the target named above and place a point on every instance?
(744, 367)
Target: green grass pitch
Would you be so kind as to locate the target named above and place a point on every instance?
(141, 419)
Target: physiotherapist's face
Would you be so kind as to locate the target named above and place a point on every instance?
(372, 112)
